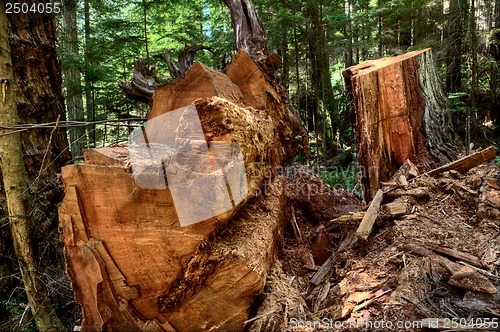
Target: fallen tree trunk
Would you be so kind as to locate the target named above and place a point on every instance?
(401, 113)
(132, 264)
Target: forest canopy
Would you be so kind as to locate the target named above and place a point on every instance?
(76, 68)
(315, 39)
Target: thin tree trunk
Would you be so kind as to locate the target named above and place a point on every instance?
(320, 67)
(473, 49)
(74, 99)
(297, 68)
(15, 180)
(89, 81)
(455, 37)
(379, 32)
(285, 77)
(145, 28)
(349, 57)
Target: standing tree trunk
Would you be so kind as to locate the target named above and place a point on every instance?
(474, 49)
(495, 68)
(71, 72)
(320, 72)
(15, 181)
(89, 79)
(456, 17)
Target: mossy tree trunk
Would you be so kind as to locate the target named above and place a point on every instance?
(15, 180)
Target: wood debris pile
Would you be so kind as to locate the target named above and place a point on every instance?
(430, 259)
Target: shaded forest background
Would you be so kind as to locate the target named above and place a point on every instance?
(99, 41)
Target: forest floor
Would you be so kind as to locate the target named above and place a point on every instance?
(434, 268)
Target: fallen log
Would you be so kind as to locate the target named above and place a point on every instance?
(457, 255)
(389, 210)
(140, 255)
(466, 163)
(401, 114)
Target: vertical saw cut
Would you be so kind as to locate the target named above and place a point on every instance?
(185, 243)
(401, 113)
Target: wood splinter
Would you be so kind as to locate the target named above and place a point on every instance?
(366, 225)
(295, 226)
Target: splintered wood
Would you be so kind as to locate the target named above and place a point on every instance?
(366, 225)
(131, 264)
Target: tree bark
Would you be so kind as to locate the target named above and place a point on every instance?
(71, 72)
(89, 79)
(15, 181)
(248, 29)
(401, 113)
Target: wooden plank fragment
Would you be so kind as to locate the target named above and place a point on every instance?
(389, 210)
(418, 193)
(320, 275)
(366, 225)
(296, 230)
(395, 209)
(466, 163)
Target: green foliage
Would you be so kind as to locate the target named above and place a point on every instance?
(497, 160)
(458, 104)
(346, 177)
(361, 29)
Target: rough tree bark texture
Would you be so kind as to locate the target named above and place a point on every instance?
(248, 29)
(15, 183)
(131, 263)
(39, 99)
(73, 82)
(401, 113)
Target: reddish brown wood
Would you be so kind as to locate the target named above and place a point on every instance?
(401, 114)
(132, 266)
(466, 163)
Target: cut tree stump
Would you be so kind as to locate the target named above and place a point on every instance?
(401, 113)
(131, 263)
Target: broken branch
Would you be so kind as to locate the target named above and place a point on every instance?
(365, 228)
